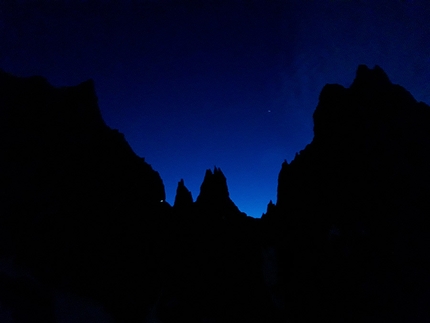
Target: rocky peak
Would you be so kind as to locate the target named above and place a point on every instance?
(214, 185)
(371, 102)
(271, 209)
(183, 199)
(83, 104)
(363, 181)
(33, 103)
(367, 78)
(61, 130)
(214, 197)
(374, 132)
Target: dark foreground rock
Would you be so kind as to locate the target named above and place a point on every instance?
(352, 211)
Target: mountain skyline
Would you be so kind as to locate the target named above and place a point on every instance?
(214, 187)
(86, 234)
(193, 84)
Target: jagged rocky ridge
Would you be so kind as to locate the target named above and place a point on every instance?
(82, 215)
(76, 203)
(352, 207)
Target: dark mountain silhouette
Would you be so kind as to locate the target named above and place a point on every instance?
(352, 210)
(78, 207)
(183, 199)
(214, 200)
(85, 230)
(218, 273)
(85, 219)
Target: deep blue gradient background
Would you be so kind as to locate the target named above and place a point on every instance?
(227, 83)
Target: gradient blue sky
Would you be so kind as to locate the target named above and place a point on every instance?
(193, 84)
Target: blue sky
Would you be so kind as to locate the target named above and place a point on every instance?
(233, 84)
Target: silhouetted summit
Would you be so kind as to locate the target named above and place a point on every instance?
(214, 198)
(183, 199)
(353, 206)
(36, 104)
(77, 204)
(271, 209)
(370, 79)
(214, 186)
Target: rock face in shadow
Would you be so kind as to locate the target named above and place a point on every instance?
(218, 275)
(183, 198)
(85, 219)
(77, 205)
(352, 210)
(214, 200)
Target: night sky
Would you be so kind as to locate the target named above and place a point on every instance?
(232, 84)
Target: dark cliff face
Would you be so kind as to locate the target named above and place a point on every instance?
(369, 150)
(353, 205)
(77, 206)
(214, 200)
(84, 215)
(64, 127)
(183, 198)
